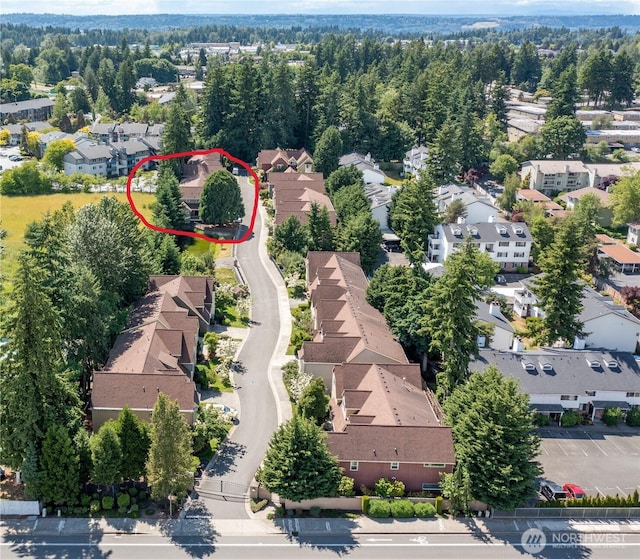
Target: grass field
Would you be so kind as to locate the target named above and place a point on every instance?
(16, 212)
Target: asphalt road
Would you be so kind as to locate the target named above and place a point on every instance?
(369, 546)
(244, 450)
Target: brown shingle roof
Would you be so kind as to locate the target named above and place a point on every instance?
(357, 319)
(620, 253)
(196, 172)
(294, 193)
(267, 158)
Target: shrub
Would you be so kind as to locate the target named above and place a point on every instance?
(134, 508)
(570, 419)
(365, 504)
(123, 500)
(85, 499)
(315, 511)
(542, 420)
(257, 506)
(633, 417)
(438, 504)
(424, 510)
(133, 491)
(366, 491)
(95, 497)
(346, 489)
(379, 508)
(389, 488)
(94, 507)
(402, 509)
(150, 512)
(280, 512)
(142, 496)
(107, 503)
(134, 515)
(612, 416)
(122, 511)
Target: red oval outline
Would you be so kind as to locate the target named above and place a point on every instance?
(189, 233)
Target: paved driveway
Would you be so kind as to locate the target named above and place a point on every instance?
(603, 461)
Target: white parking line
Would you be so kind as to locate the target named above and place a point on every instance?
(621, 491)
(614, 444)
(597, 445)
(601, 493)
(561, 447)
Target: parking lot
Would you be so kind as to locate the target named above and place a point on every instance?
(603, 461)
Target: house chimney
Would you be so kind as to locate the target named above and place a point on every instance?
(517, 345)
(460, 219)
(442, 189)
(367, 157)
(492, 219)
(579, 342)
(494, 308)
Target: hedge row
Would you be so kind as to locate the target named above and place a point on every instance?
(398, 508)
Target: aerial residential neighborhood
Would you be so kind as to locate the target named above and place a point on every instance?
(279, 284)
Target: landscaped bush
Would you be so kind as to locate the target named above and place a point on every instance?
(424, 510)
(542, 420)
(133, 508)
(315, 511)
(438, 505)
(346, 489)
(365, 504)
(94, 507)
(389, 488)
(122, 511)
(142, 496)
(612, 416)
(570, 419)
(402, 509)
(133, 491)
(107, 503)
(123, 500)
(633, 417)
(85, 499)
(379, 508)
(632, 500)
(257, 505)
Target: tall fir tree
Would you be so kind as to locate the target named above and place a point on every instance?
(362, 234)
(170, 464)
(328, 151)
(297, 464)
(134, 444)
(319, 228)
(168, 210)
(176, 137)
(60, 467)
(106, 455)
(221, 199)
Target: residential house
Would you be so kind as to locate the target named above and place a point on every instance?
(294, 193)
(122, 132)
(371, 172)
(559, 380)
(508, 244)
(31, 110)
(605, 214)
(380, 200)
(415, 160)
(538, 198)
(90, 159)
(157, 351)
(518, 128)
(15, 130)
(194, 174)
(606, 324)
(385, 426)
(501, 336)
(278, 160)
(633, 233)
(479, 209)
(347, 329)
(619, 137)
(621, 257)
(129, 153)
(555, 176)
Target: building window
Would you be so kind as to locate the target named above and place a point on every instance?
(501, 254)
(353, 466)
(503, 244)
(433, 465)
(590, 392)
(568, 397)
(518, 254)
(521, 244)
(395, 465)
(633, 394)
(489, 247)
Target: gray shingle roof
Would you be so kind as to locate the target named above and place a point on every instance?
(570, 371)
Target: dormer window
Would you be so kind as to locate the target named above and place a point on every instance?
(612, 364)
(518, 230)
(547, 367)
(502, 230)
(594, 364)
(457, 231)
(528, 366)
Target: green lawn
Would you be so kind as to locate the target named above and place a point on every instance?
(226, 275)
(215, 381)
(16, 212)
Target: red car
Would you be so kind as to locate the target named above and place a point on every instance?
(573, 491)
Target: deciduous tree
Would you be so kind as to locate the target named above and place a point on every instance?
(314, 402)
(55, 152)
(626, 199)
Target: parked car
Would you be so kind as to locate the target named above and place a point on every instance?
(552, 491)
(501, 279)
(573, 491)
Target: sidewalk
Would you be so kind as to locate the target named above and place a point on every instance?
(302, 526)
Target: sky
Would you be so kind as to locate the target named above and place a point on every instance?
(430, 7)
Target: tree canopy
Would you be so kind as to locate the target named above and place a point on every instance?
(221, 199)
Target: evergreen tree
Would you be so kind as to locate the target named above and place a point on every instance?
(499, 97)
(106, 455)
(34, 387)
(564, 95)
(83, 447)
(494, 438)
(595, 74)
(31, 473)
(125, 83)
(60, 467)
(170, 464)
(454, 211)
(319, 228)
(168, 210)
(450, 313)
(313, 404)
(413, 216)
(297, 465)
(214, 109)
(562, 136)
(350, 201)
(362, 234)
(176, 137)
(107, 80)
(328, 151)
(291, 235)
(526, 69)
(622, 89)
(221, 199)
(557, 289)
(242, 129)
(341, 177)
(134, 444)
(444, 155)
